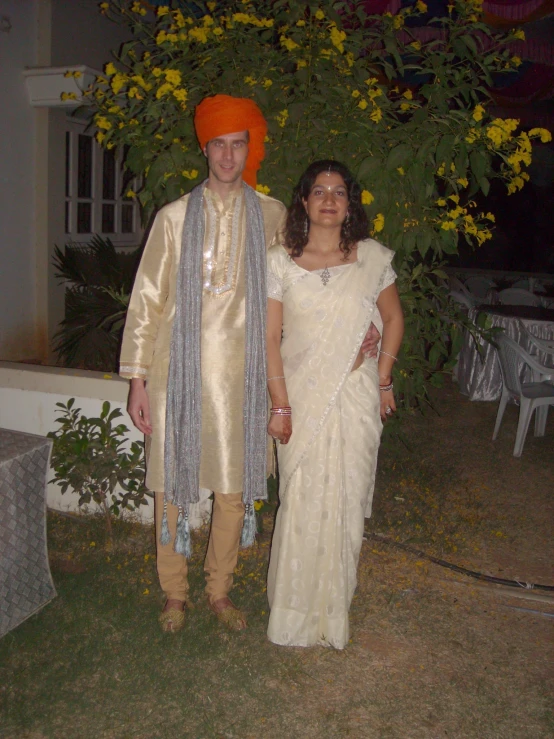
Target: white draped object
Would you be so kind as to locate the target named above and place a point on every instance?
(327, 470)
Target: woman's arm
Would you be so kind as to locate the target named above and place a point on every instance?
(390, 309)
(280, 427)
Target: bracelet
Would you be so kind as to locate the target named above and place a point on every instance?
(388, 355)
(283, 411)
(386, 388)
(277, 377)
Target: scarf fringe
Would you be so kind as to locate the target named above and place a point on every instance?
(249, 527)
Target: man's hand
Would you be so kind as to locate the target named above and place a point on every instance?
(138, 406)
(369, 344)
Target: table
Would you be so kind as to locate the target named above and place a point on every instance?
(478, 372)
(25, 580)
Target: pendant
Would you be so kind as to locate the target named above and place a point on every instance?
(325, 276)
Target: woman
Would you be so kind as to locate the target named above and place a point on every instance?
(328, 400)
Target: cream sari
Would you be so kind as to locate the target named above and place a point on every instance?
(327, 470)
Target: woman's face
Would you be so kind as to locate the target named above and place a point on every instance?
(327, 202)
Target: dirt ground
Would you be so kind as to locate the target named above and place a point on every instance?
(433, 653)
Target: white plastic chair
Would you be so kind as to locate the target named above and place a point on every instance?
(480, 286)
(463, 298)
(517, 296)
(543, 345)
(530, 395)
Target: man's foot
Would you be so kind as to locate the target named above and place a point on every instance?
(228, 614)
(172, 617)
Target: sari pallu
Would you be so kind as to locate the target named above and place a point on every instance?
(327, 470)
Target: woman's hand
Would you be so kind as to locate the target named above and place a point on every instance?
(388, 405)
(280, 428)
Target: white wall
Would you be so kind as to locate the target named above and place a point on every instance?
(37, 33)
(18, 49)
(28, 397)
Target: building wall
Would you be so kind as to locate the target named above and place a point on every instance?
(18, 293)
(38, 33)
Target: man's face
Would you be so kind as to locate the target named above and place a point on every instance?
(227, 156)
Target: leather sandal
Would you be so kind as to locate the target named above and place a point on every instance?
(228, 614)
(172, 619)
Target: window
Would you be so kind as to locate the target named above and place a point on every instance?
(96, 187)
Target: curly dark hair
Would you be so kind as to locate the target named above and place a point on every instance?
(355, 227)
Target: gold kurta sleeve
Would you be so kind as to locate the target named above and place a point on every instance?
(147, 338)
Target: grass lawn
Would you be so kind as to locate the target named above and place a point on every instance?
(431, 655)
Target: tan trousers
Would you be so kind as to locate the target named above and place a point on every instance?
(222, 554)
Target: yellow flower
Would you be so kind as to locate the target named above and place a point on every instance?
(173, 76)
(472, 136)
(130, 194)
(288, 43)
(398, 22)
(146, 591)
(490, 217)
(400, 170)
(300, 23)
(218, 31)
(110, 69)
(199, 34)
(416, 45)
(337, 37)
(157, 72)
(102, 122)
(250, 81)
(301, 63)
(267, 83)
(161, 37)
(163, 90)
(92, 544)
(137, 8)
(379, 222)
(68, 96)
(448, 225)
(100, 136)
(258, 504)
(320, 15)
(516, 61)
(441, 202)
(265, 190)
(376, 115)
(440, 170)
(190, 174)
(519, 34)
(404, 106)
(211, 7)
(544, 134)
(162, 10)
(454, 198)
(282, 117)
(408, 94)
(208, 20)
(421, 6)
(104, 7)
(180, 95)
(478, 112)
(362, 104)
(462, 181)
(367, 197)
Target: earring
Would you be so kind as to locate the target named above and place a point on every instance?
(306, 225)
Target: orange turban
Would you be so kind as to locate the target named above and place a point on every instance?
(222, 114)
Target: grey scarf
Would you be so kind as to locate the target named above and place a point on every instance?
(184, 386)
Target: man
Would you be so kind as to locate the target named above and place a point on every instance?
(200, 292)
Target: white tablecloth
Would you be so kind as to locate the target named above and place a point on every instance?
(25, 581)
(478, 372)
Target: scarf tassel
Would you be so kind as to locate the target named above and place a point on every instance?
(249, 527)
(182, 537)
(165, 536)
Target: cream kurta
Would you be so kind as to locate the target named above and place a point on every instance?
(146, 339)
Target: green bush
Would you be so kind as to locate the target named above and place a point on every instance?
(409, 118)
